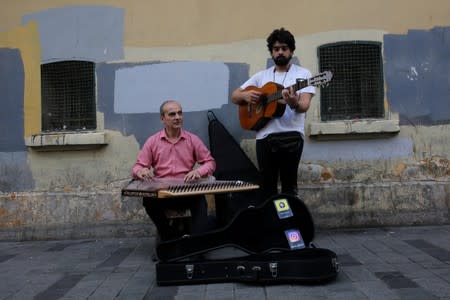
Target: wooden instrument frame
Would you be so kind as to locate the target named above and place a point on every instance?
(174, 187)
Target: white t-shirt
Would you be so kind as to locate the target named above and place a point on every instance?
(290, 120)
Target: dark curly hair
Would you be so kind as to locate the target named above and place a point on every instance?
(282, 36)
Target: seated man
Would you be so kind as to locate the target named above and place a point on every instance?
(172, 153)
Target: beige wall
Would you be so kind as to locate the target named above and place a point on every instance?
(197, 22)
(228, 31)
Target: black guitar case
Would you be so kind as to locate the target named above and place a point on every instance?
(304, 266)
(275, 237)
(232, 163)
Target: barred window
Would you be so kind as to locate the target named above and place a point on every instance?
(68, 96)
(356, 91)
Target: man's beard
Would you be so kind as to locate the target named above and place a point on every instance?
(282, 60)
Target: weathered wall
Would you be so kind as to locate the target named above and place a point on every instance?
(198, 51)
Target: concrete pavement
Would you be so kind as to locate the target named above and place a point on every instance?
(376, 263)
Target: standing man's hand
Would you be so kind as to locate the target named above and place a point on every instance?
(252, 96)
(191, 176)
(290, 97)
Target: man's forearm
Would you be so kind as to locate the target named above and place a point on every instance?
(237, 96)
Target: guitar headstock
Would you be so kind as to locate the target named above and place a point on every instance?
(321, 79)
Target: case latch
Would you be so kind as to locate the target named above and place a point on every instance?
(273, 267)
(189, 271)
(256, 272)
(240, 269)
(335, 264)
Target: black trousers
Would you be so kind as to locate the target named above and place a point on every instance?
(156, 209)
(279, 158)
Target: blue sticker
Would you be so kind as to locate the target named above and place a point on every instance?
(295, 239)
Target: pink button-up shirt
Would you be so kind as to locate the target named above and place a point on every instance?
(174, 159)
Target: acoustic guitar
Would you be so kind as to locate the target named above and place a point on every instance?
(271, 104)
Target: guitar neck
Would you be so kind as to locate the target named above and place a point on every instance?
(297, 86)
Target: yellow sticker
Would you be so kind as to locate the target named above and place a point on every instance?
(282, 205)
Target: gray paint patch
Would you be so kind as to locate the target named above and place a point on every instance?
(15, 174)
(12, 95)
(93, 33)
(417, 75)
(358, 150)
(196, 85)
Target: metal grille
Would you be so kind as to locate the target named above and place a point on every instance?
(356, 91)
(68, 96)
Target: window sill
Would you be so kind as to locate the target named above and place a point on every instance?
(353, 129)
(66, 141)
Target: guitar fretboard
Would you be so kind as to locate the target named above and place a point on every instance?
(277, 95)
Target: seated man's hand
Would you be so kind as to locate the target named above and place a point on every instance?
(144, 174)
(191, 176)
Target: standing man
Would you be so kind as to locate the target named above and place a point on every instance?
(173, 153)
(279, 144)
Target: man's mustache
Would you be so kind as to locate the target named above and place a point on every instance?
(282, 60)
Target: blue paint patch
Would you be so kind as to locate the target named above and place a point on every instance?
(417, 75)
(143, 124)
(196, 85)
(92, 33)
(358, 150)
(12, 97)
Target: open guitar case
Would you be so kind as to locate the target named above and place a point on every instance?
(266, 243)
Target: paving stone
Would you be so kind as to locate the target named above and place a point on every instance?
(415, 294)
(376, 263)
(375, 290)
(248, 292)
(396, 280)
(434, 285)
(412, 270)
(358, 273)
(219, 291)
(348, 260)
(60, 287)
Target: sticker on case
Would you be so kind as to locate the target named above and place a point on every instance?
(295, 239)
(283, 209)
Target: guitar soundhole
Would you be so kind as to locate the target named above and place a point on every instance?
(259, 108)
(261, 104)
(263, 100)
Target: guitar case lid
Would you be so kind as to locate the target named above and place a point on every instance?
(231, 160)
(231, 163)
(282, 222)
